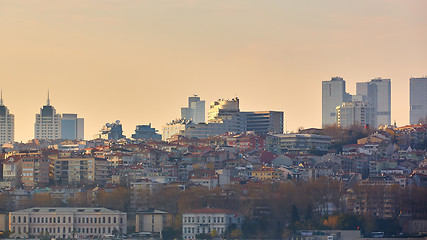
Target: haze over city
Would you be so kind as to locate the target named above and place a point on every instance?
(138, 61)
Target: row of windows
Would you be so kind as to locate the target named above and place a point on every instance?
(64, 230)
(64, 220)
(204, 219)
(203, 230)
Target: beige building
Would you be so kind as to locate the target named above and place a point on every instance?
(175, 127)
(66, 222)
(12, 171)
(152, 221)
(212, 221)
(35, 171)
(80, 170)
(48, 123)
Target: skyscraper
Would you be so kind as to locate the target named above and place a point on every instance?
(7, 124)
(48, 123)
(333, 95)
(72, 127)
(195, 110)
(378, 93)
(223, 109)
(418, 100)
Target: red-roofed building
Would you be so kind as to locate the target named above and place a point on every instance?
(211, 221)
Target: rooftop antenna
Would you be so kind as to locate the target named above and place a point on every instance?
(48, 98)
(1, 97)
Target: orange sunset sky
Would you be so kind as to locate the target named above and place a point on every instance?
(137, 60)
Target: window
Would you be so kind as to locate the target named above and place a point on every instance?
(115, 220)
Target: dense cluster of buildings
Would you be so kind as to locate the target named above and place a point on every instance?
(371, 106)
(232, 147)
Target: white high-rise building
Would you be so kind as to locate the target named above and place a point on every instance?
(333, 95)
(378, 93)
(48, 123)
(356, 113)
(195, 110)
(418, 100)
(7, 124)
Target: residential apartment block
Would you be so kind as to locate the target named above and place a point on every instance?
(80, 170)
(356, 113)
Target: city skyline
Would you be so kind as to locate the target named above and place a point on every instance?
(107, 60)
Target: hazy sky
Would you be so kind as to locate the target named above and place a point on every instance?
(138, 61)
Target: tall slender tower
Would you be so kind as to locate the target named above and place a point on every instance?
(195, 110)
(418, 100)
(48, 123)
(378, 93)
(7, 124)
(333, 95)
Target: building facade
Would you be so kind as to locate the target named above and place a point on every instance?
(418, 100)
(67, 222)
(195, 110)
(111, 131)
(378, 93)
(35, 171)
(146, 132)
(261, 122)
(152, 221)
(80, 170)
(283, 143)
(175, 127)
(48, 123)
(356, 113)
(223, 109)
(333, 95)
(7, 124)
(72, 127)
(212, 221)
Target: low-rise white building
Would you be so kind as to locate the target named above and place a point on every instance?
(66, 222)
(208, 221)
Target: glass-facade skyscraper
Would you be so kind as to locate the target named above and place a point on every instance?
(418, 100)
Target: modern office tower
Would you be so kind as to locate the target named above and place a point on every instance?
(333, 95)
(223, 109)
(261, 122)
(418, 100)
(72, 127)
(195, 110)
(356, 113)
(175, 127)
(378, 93)
(7, 124)
(48, 123)
(146, 132)
(111, 131)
